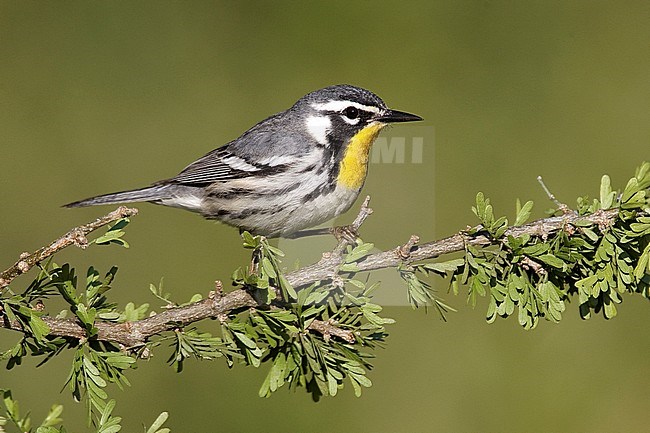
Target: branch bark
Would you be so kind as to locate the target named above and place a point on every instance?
(327, 267)
(216, 305)
(132, 334)
(76, 236)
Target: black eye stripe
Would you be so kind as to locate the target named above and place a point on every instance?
(351, 112)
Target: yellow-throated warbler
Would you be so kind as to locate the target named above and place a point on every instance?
(294, 170)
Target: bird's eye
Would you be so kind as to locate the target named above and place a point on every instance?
(351, 113)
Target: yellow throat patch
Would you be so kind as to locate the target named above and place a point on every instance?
(354, 166)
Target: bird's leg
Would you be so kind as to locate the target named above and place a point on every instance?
(308, 232)
(255, 262)
(347, 233)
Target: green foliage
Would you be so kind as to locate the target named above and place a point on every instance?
(95, 364)
(420, 292)
(269, 275)
(90, 303)
(106, 422)
(51, 423)
(323, 336)
(522, 212)
(318, 362)
(190, 343)
(282, 337)
(536, 275)
(91, 372)
(113, 235)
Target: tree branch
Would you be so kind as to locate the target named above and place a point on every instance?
(76, 236)
(216, 305)
(328, 329)
(327, 267)
(131, 334)
(134, 334)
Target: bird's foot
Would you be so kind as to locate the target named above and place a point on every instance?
(347, 234)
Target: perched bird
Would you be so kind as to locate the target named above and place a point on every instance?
(294, 170)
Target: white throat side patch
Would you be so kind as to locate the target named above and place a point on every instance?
(318, 127)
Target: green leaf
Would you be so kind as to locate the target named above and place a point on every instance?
(358, 252)
(535, 250)
(609, 309)
(158, 292)
(523, 212)
(52, 417)
(276, 374)
(250, 242)
(155, 427)
(631, 189)
(443, 267)
(552, 260)
(246, 340)
(607, 196)
(268, 268)
(113, 235)
(131, 313)
(38, 327)
(107, 422)
(331, 385)
(362, 380)
(479, 209)
(349, 267)
(590, 234)
(90, 367)
(87, 316)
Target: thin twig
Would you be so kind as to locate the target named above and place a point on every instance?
(328, 329)
(353, 228)
(528, 263)
(561, 206)
(329, 264)
(76, 236)
(404, 251)
(363, 214)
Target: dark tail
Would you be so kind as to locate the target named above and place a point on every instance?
(152, 193)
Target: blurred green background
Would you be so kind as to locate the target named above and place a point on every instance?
(101, 96)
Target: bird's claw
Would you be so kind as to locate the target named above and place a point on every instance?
(347, 234)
